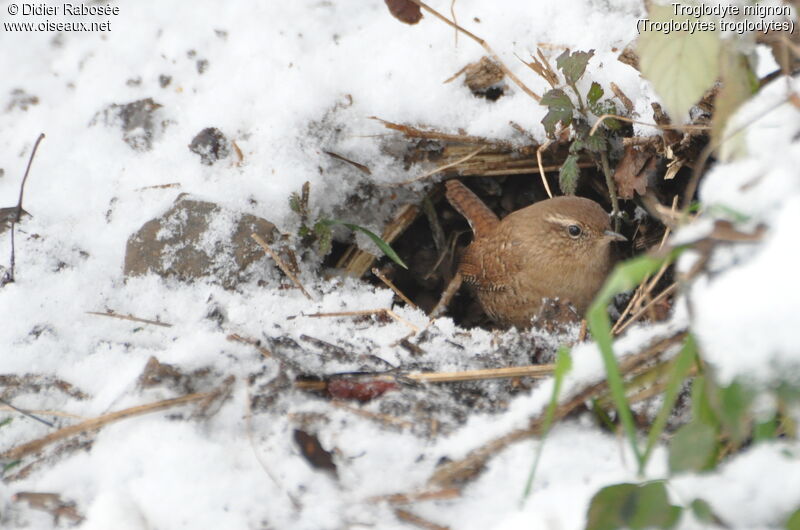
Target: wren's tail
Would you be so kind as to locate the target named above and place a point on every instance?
(480, 217)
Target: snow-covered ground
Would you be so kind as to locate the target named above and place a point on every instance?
(287, 81)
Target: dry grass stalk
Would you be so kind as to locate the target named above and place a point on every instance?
(450, 291)
(408, 498)
(385, 419)
(541, 167)
(56, 413)
(416, 520)
(357, 262)
(645, 287)
(604, 117)
(467, 467)
(281, 264)
(34, 446)
(382, 277)
(534, 370)
(364, 312)
(112, 314)
(485, 45)
(159, 186)
(441, 168)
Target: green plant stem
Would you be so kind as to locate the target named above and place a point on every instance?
(612, 189)
(682, 364)
(581, 106)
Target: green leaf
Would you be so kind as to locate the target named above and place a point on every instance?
(383, 245)
(766, 430)
(294, 202)
(693, 448)
(701, 404)
(735, 400)
(563, 366)
(632, 506)
(568, 175)
(596, 143)
(6, 421)
(560, 109)
(793, 522)
(595, 93)
(737, 88)
(681, 65)
(573, 65)
(324, 236)
(624, 277)
(703, 512)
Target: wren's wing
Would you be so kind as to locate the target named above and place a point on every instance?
(480, 217)
(482, 266)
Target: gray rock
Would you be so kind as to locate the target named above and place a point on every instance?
(198, 239)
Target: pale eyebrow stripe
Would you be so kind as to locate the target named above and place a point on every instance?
(560, 219)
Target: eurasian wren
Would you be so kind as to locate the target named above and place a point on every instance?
(556, 248)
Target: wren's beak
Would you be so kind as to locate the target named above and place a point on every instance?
(614, 236)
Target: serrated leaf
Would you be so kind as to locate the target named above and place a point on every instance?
(693, 448)
(294, 202)
(595, 93)
(596, 143)
(573, 65)
(568, 175)
(560, 110)
(324, 237)
(681, 65)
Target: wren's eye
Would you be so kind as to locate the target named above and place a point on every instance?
(574, 230)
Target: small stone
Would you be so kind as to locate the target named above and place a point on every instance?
(198, 239)
(138, 120)
(211, 145)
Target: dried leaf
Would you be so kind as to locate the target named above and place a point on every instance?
(404, 11)
(633, 170)
(313, 451)
(362, 391)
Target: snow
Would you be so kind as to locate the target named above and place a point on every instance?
(287, 81)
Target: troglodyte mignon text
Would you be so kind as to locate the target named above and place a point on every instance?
(556, 248)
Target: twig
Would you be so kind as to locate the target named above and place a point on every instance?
(280, 264)
(612, 189)
(112, 314)
(440, 168)
(485, 45)
(25, 178)
(10, 275)
(447, 295)
(95, 423)
(393, 287)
